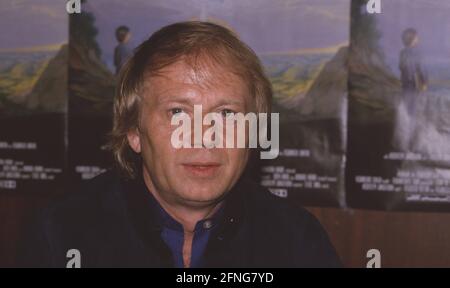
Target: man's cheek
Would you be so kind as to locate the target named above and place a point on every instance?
(239, 157)
(159, 130)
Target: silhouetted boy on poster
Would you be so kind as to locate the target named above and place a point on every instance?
(413, 76)
(123, 50)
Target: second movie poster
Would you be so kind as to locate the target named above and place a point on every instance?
(399, 106)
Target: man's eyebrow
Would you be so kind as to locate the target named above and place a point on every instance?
(182, 100)
(188, 101)
(225, 102)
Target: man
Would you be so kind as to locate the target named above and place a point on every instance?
(187, 207)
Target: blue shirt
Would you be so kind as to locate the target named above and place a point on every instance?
(172, 234)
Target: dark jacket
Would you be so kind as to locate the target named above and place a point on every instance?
(111, 225)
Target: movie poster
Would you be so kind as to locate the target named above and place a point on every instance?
(304, 51)
(33, 95)
(305, 55)
(91, 92)
(399, 106)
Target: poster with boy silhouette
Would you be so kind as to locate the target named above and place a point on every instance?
(91, 91)
(303, 45)
(399, 106)
(33, 96)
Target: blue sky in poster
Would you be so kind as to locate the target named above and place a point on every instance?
(30, 23)
(266, 25)
(284, 24)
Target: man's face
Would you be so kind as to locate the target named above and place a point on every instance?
(194, 177)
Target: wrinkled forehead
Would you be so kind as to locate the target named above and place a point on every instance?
(201, 75)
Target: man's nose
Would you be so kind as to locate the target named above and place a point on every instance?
(198, 139)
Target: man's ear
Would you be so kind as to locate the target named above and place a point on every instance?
(134, 140)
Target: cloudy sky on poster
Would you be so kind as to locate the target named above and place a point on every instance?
(31, 23)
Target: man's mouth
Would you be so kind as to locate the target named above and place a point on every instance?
(202, 169)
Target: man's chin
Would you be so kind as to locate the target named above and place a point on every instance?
(201, 198)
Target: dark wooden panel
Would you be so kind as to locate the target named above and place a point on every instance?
(16, 210)
(405, 239)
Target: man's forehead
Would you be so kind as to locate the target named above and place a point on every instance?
(201, 73)
(198, 79)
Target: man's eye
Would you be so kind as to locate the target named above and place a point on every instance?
(174, 111)
(227, 112)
